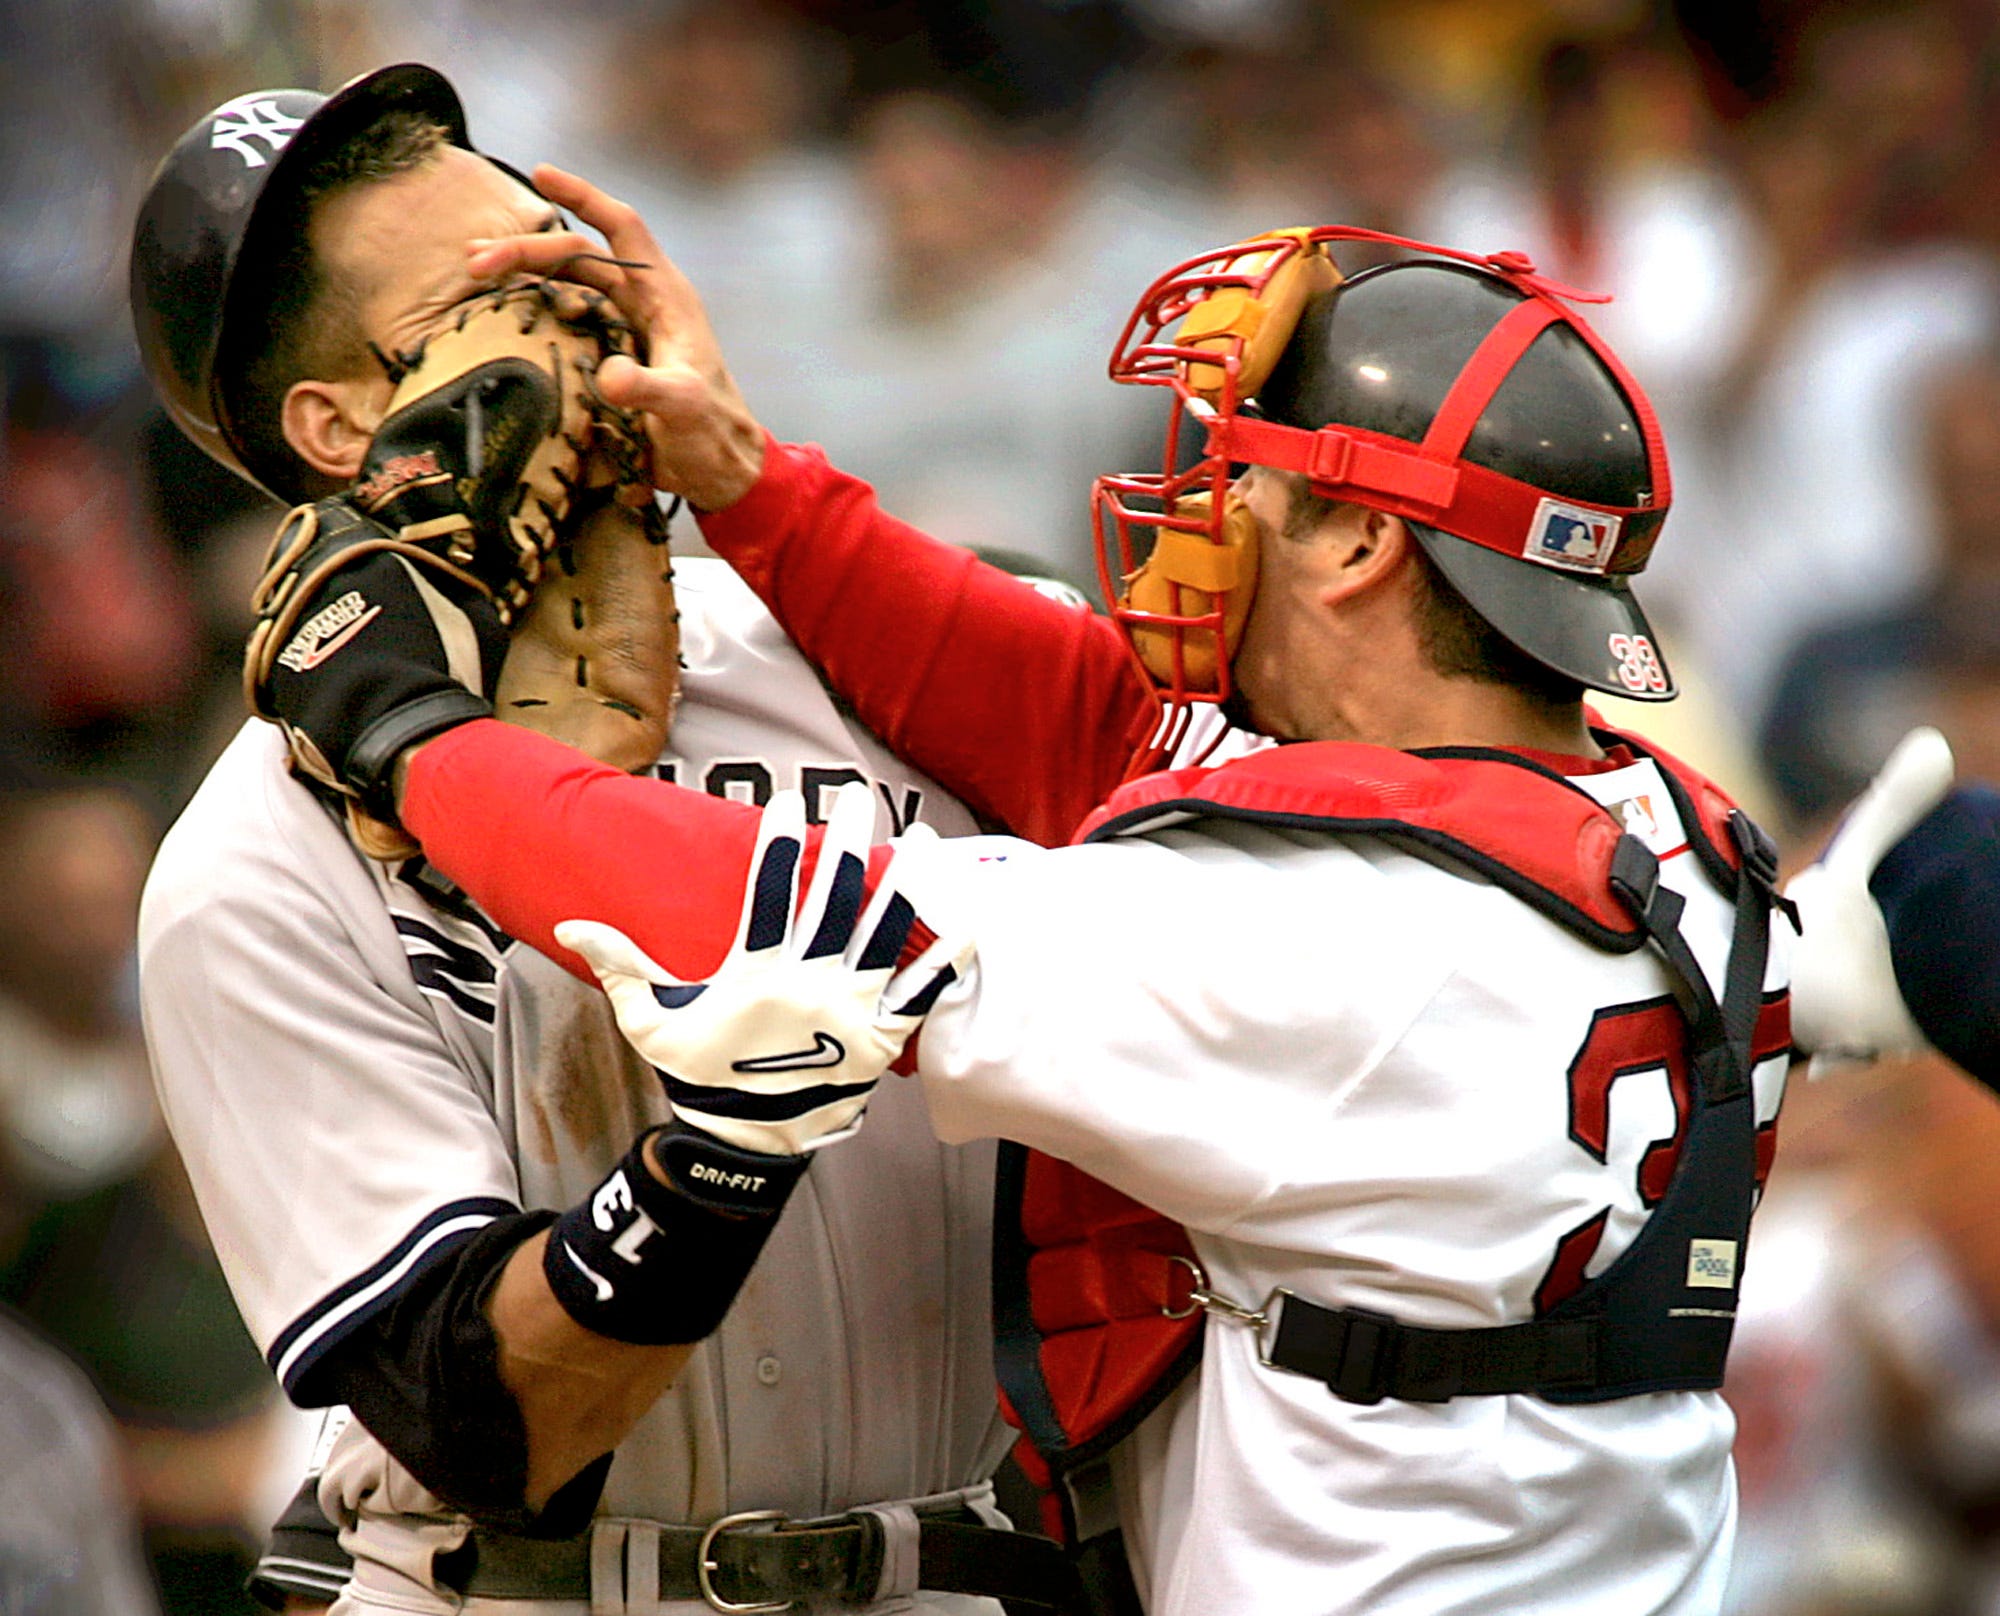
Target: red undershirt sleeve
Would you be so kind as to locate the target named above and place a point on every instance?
(1024, 708)
(538, 833)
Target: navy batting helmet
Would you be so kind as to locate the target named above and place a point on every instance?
(199, 241)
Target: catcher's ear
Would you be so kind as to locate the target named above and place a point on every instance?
(1364, 548)
(330, 424)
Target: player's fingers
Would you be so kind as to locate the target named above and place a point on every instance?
(552, 252)
(914, 989)
(653, 292)
(618, 222)
(878, 941)
(1908, 786)
(673, 394)
(839, 883)
(772, 889)
(885, 928)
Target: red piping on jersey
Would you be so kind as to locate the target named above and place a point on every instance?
(1502, 809)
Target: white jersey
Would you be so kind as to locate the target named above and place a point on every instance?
(356, 1064)
(1347, 1071)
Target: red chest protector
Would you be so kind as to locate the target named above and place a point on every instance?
(1085, 1277)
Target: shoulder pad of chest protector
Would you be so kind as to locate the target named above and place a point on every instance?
(1505, 817)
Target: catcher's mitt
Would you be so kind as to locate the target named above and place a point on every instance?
(495, 456)
(480, 458)
(595, 656)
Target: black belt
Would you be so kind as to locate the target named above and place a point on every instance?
(761, 1561)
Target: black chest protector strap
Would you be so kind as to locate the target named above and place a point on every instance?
(1659, 1317)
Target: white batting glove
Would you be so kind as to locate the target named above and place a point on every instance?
(1845, 1002)
(780, 1049)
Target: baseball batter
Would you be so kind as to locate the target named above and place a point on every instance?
(1454, 1031)
(383, 1100)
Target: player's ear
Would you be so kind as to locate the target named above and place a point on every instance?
(330, 424)
(1365, 548)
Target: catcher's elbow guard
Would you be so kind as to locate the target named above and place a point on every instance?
(657, 1264)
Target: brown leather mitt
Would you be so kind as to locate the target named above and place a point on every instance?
(480, 457)
(498, 469)
(595, 657)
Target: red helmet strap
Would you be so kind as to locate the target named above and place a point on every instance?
(1428, 482)
(1493, 510)
(1490, 365)
(1341, 462)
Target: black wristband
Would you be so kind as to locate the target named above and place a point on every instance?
(372, 759)
(658, 1264)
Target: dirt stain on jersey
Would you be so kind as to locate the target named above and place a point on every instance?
(588, 1094)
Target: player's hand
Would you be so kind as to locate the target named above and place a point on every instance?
(1845, 1002)
(706, 445)
(359, 651)
(779, 1051)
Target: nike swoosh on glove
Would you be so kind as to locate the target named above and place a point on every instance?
(780, 1050)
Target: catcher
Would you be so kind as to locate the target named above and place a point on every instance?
(384, 1104)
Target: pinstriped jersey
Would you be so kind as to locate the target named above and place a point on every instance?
(359, 1066)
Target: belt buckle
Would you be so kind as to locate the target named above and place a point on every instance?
(704, 1566)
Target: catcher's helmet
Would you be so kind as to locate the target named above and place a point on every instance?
(1458, 393)
(198, 241)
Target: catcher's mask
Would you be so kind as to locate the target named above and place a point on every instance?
(1459, 393)
(199, 239)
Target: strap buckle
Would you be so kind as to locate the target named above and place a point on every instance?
(1758, 852)
(1760, 862)
(1635, 877)
(705, 1566)
(1366, 1356)
(1203, 1299)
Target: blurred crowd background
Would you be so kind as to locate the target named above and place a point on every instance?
(918, 227)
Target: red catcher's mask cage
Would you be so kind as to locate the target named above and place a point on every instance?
(1235, 308)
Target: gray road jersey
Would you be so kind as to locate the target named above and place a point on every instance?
(356, 1065)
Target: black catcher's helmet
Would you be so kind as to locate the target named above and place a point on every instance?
(1384, 351)
(1460, 393)
(198, 241)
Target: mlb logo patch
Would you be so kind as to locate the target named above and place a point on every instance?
(1570, 536)
(1637, 816)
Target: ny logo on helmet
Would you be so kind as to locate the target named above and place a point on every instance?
(240, 125)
